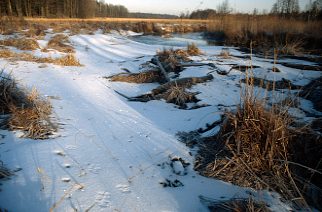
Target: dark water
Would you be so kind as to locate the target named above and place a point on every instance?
(179, 40)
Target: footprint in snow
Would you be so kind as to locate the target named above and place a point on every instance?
(123, 188)
(59, 152)
(94, 168)
(174, 184)
(65, 179)
(67, 165)
(70, 147)
(102, 199)
(179, 166)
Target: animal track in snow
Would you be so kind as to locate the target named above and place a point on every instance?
(65, 179)
(67, 165)
(174, 184)
(102, 199)
(94, 168)
(59, 152)
(123, 188)
(179, 166)
(70, 147)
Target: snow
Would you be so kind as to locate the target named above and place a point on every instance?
(111, 154)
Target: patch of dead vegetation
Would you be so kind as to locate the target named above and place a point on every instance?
(143, 77)
(21, 43)
(258, 146)
(193, 50)
(28, 111)
(225, 54)
(4, 172)
(235, 204)
(179, 96)
(171, 58)
(59, 43)
(291, 47)
(67, 60)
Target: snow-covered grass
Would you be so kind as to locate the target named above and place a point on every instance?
(112, 154)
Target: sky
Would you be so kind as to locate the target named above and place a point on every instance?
(175, 7)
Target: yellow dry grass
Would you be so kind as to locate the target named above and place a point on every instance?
(193, 50)
(33, 120)
(67, 60)
(256, 141)
(21, 43)
(224, 53)
(143, 77)
(178, 95)
(28, 111)
(58, 42)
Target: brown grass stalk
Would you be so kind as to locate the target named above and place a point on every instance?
(21, 43)
(60, 43)
(67, 60)
(28, 111)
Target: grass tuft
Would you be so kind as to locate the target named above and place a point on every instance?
(28, 111)
(143, 77)
(68, 60)
(225, 53)
(58, 42)
(21, 43)
(193, 50)
(178, 95)
(254, 148)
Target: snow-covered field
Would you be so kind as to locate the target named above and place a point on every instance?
(111, 154)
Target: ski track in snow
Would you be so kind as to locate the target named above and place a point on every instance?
(108, 154)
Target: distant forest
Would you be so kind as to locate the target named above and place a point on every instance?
(99, 8)
(61, 8)
(282, 8)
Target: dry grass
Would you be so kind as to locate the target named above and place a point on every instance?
(193, 50)
(67, 60)
(179, 96)
(225, 53)
(34, 120)
(292, 47)
(143, 77)
(235, 205)
(28, 111)
(21, 43)
(267, 32)
(171, 58)
(6, 53)
(4, 172)
(58, 42)
(253, 148)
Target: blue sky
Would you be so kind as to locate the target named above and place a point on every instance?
(177, 6)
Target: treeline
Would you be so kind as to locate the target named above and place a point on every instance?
(61, 8)
(282, 8)
(152, 15)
